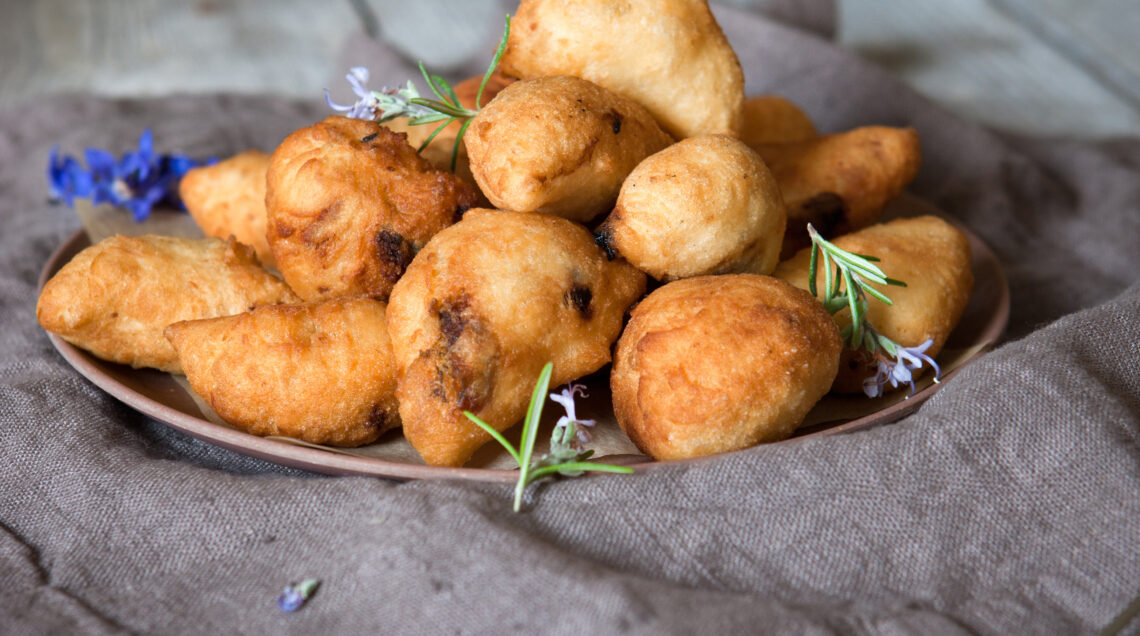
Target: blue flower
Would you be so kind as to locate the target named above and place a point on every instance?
(138, 180)
(899, 368)
(67, 179)
(294, 595)
(367, 106)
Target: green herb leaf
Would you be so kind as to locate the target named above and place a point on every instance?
(494, 62)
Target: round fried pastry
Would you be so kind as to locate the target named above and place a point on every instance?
(349, 203)
(718, 363)
(705, 205)
(559, 145)
(483, 307)
(319, 372)
(670, 56)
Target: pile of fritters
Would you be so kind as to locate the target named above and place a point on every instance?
(615, 144)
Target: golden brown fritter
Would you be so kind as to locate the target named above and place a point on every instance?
(670, 56)
(840, 183)
(350, 203)
(771, 119)
(705, 205)
(438, 152)
(928, 254)
(718, 363)
(228, 199)
(559, 145)
(319, 372)
(483, 307)
(115, 298)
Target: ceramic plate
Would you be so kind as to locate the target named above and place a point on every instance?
(168, 399)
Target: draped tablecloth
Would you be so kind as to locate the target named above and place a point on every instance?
(1009, 502)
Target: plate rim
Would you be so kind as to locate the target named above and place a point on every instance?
(333, 463)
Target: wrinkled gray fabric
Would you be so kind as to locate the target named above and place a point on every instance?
(1009, 503)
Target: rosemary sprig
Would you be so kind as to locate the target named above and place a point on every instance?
(387, 103)
(566, 457)
(894, 363)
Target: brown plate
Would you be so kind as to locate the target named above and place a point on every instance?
(168, 399)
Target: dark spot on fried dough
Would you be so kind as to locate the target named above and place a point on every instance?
(579, 296)
(452, 318)
(378, 417)
(369, 137)
(616, 116)
(604, 238)
(283, 230)
(395, 251)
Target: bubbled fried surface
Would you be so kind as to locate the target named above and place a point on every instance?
(705, 205)
(228, 198)
(483, 307)
(718, 363)
(319, 372)
(349, 203)
(840, 183)
(928, 254)
(559, 145)
(115, 298)
(670, 56)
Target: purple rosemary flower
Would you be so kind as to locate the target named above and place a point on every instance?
(294, 595)
(570, 420)
(899, 368)
(367, 106)
(138, 180)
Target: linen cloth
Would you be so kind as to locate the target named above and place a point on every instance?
(1009, 502)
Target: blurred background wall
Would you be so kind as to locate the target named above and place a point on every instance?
(1049, 67)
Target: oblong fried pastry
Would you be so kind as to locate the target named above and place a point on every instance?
(670, 56)
(931, 256)
(319, 372)
(705, 205)
(559, 145)
(771, 119)
(719, 363)
(840, 183)
(115, 297)
(228, 198)
(349, 203)
(483, 307)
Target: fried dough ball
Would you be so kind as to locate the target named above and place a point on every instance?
(670, 56)
(931, 256)
(840, 183)
(718, 363)
(705, 205)
(350, 203)
(483, 307)
(228, 198)
(319, 372)
(771, 119)
(115, 297)
(438, 152)
(559, 145)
